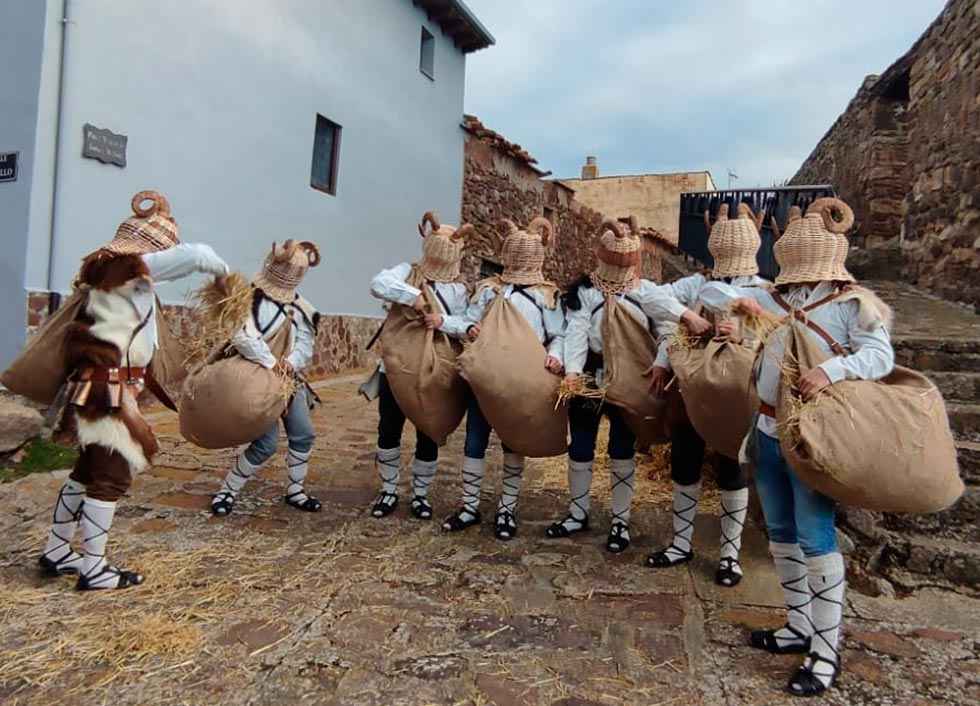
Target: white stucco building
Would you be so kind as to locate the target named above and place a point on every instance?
(335, 121)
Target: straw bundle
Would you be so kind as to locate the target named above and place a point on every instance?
(583, 385)
(218, 308)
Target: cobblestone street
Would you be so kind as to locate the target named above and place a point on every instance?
(274, 606)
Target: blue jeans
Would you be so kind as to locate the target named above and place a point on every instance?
(583, 423)
(299, 431)
(477, 430)
(794, 512)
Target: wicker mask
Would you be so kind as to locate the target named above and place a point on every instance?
(150, 229)
(618, 257)
(523, 251)
(734, 242)
(442, 248)
(814, 248)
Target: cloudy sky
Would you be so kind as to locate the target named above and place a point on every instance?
(676, 85)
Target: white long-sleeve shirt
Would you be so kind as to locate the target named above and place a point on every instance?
(872, 356)
(391, 286)
(252, 339)
(547, 324)
(584, 331)
(687, 291)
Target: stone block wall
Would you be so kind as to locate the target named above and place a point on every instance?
(906, 155)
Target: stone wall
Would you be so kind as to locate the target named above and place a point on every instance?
(906, 155)
(500, 180)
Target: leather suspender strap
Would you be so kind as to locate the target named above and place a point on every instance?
(445, 306)
(800, 315)
(520, 289)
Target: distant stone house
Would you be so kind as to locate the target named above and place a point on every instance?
(906, 155)
(502, 180)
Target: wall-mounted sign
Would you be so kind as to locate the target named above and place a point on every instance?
(8, 166)
(104, 145)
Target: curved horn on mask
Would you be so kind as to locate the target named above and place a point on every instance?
(465, 232)
(542, 226)
(507, 226)
(837, 215)
(284, 253)
(745, 211)
(312, 252)
(634, 226)
(432, 219)
(159, 204)
(795, 214)
(610, 224)
(776, 234)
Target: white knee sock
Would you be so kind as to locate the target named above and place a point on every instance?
(622, 476)
(95, 523)
(297, 465)
(792, 572)
(64, 522)
(473, 471)
(511, 486)
(825, 576)
(685, 509)
(734, 506)
(580, 488)
(236, 478)
(423, 472)
(389, 464)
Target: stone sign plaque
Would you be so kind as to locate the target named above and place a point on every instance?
(104, 145)
(8, 166)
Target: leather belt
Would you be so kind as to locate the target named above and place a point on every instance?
(114, 375)
(767, 410)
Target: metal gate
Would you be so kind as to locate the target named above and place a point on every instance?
(693, 239)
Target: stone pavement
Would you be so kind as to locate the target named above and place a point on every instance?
(273, 606)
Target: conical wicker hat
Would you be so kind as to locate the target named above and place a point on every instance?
(734, 242)
(814, 248)
(618, 257)
(442, 248)
(523, 251)
(285, 268)
(150, 229)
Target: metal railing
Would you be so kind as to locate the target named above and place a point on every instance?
(693, 238)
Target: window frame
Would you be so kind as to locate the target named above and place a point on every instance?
(428, 39)
(333, 172)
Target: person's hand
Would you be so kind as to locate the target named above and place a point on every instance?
(473, 332)
(552, 364)
(747, 305)
(727, 329)
(286, 368)
(695, 324)
(813, 382)
(659, 377)
(433, 321)
(419, 303)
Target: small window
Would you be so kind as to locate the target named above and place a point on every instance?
(427, 54)
(489, 268)
(326, 156)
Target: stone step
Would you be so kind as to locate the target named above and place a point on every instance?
(969, 455)
(927, 353)
(950, 559)
(964, 420)
(956, 522)
(957, 387)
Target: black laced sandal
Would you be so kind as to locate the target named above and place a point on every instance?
(504, 525)
(51, 568)
(311, 504)
(664, 558)
(560, 529)
(618, 540)
(127, 579)
(806, 683)
(456, 522)
(421, 508)
(726, 575)
(384, 505)
(222, 504)
(767, 640)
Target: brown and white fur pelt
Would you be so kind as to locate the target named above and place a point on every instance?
(872, 311)
(100, 337)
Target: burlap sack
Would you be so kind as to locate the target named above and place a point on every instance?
(41, 369)
(628, 352)
(883, 445)
(715, 380)
(231, 401)
(421, 368)
(167, 366)
(505, 370)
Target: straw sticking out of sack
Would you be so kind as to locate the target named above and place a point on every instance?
(219, 308)
(761, 325)
(583, 385)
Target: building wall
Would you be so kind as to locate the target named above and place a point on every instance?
(21, 45)
(496, 186)
(653, 198)
(919, 181)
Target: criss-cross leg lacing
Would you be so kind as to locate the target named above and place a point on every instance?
(794, 637)
(97, 573)
(684, 509)
(734, 506)
(423, 473)
(388, 463)
(822, 665)
(224, 500)
(513, 475)
(580, 487)
(622, 475)
(58, 557)
(297, 466)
